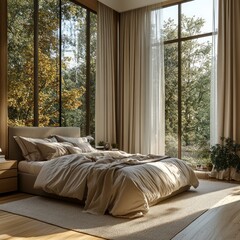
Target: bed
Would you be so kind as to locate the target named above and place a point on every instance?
(113, 182)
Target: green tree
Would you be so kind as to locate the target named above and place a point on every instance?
(195, 88)
(21, 63)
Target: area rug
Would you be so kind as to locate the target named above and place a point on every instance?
(163, 221)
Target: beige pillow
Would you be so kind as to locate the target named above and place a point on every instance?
(81, 142)
(51, 150)
(75, 141)
(81, 148)
(74, 150)
(29, 149)
(86, 147)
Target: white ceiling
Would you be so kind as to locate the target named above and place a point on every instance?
(125, 5)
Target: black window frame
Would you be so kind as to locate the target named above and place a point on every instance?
(179, 41)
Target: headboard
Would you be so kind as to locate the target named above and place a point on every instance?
(14, 151)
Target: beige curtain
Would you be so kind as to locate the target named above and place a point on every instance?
(228, 69)
(141, 125)
(228, 77)
(133, 75)
(105, 117)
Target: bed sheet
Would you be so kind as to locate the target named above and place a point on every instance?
(31, 167)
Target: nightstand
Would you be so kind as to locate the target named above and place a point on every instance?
(8, 176)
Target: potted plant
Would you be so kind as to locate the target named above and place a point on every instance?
(100, 145)
(225, 155)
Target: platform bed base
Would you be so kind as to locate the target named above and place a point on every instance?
(26, 185)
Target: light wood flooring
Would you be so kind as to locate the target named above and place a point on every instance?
(219, 222)
(16, 227)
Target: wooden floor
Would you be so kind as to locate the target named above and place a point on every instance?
(17, 227)
(219, 222)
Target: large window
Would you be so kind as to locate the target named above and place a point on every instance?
(187, 32)
(52, 64)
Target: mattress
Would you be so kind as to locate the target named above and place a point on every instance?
(30, 167)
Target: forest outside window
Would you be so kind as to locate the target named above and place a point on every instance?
(51, 64)
(188, 41)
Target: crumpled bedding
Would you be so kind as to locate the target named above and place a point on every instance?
(121, 184)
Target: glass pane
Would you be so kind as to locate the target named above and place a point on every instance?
(20, 62)
(73, 65)
(93, 54)
(48, 55)
(196, 77)
(197, 17)
(170, 22)
(171, 99)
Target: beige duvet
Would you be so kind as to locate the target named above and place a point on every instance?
(121, 184)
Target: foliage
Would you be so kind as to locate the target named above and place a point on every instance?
(195, 89)
(225, 155)
(114, 145)
(71, 88)
(171, 145)
(101, 143)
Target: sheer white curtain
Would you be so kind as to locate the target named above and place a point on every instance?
(155, 91)
(141, 85)
(214, 138)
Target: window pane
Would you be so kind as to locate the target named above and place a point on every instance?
(48, 57)
(197, 17)
(196, 77)
(170, 22)
(93, 54)
(76, 80)
(171, 99)
(20, 62)
(73, 65)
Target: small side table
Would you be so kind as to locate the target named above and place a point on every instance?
(8, 176)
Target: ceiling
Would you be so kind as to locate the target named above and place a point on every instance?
(125, 5)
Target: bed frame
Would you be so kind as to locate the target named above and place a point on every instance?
(26, 181)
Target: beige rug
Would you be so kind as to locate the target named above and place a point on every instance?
(163, 221)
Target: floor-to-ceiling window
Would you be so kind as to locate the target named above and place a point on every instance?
(51, 64)
(187, 32)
